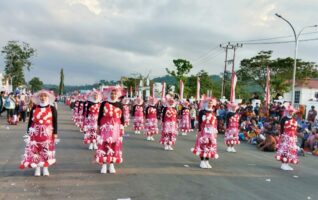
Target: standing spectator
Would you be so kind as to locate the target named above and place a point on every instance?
(1, 102)
(193, 115)
(22, 109)
(10, 106)
(312, 115)
(256, 110)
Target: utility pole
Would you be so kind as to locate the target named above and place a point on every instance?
(227, 47)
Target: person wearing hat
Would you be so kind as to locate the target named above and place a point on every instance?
(75, 108)
(185, 124)
(110, 130)
(169, 123)
(138, 113)
(126, 107)
(151, 125)
(41, 134)
(232, 127)
(206, 143)
(91, 116)
(287, 148)
(81, 113)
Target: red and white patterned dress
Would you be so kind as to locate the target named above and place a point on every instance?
(75, 111)
(40, 145)
(126, 114)
(138, 118)
(111, 131)
(151, 125)
(185, 124)
(231, 134)
(169, 126)
(206, 143)
(287, 148)
(90, 127)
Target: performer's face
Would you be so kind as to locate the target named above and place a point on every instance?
(210, 105)
(95, 96)
(290, 113)
(43, 98)
(113, 95)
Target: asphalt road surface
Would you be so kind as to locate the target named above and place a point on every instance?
(148, 172)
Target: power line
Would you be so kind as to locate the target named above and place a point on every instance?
(210, 59)
(202, 56)
(273, 38)
(280, 42)
(215, 54)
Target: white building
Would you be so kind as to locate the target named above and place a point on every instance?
(304, 91)
(5, 84)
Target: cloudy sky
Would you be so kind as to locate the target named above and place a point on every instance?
(107, 39)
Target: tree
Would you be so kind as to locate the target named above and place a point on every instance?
(253, 70)
(206, 83)
(36, 84)
(183, 67)
(61, 86)
(17, 57)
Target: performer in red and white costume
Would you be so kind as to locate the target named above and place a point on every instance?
(82, 110)
(75, 109)
(91, 116)
(151, 125)
(126, 107)
(287, 148)
(206, 143)
(185, 124)
(111, 130)
(41, 134)
(232, 127)
(138, 113)
(169, 123)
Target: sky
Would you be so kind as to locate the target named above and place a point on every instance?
(106, 39)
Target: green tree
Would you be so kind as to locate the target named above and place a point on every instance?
(17, 57)
(206, 83)
(36, 84)
(253, 70)
(183, 68)
(61, 86)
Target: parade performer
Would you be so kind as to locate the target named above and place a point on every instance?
(41, 134)
(206, 143)
(138, 113)
(91, 116)
(287, 148)
(232, 127)
(151, 125)
(83, 105)
(185, 124)
(169, 123)
(126, 106)
(111, 130)
(75, 108)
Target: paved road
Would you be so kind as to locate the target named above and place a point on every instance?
(149, 172)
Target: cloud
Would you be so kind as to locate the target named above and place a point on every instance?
(93, 39)
(92, 5)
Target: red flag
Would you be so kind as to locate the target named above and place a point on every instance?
(163, 90)
(153, 90)
(233, 85)
(181, 89)
(198, 89)
(131, 92)
(267, 89)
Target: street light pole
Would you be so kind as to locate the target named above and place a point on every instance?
(295, 53)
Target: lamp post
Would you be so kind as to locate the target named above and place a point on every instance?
(295, 52)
